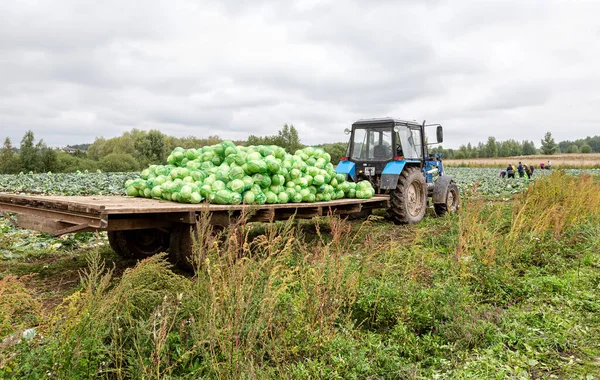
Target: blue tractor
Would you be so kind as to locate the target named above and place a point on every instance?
(392, 154)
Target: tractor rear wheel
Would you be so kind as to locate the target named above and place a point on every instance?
(138, 244)
(452, 201)
(408, 202)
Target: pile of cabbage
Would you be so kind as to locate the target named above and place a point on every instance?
(228, 174)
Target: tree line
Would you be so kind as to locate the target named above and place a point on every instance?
(136, 149)
(133, 150)
(507, 148)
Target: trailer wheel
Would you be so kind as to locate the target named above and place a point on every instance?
(409, 200)
(452, 201)
(362, 214)
(181, 248)
(138, 244)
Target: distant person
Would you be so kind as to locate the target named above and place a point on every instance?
(502, 173)
(531, 168)
(528, 171)
(549, 165)
(542, 165)
(510, 172)
(520, 170)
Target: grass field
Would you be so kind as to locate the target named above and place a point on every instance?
(505, 289)
(559, 161)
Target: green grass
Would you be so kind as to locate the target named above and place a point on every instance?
(497, 291)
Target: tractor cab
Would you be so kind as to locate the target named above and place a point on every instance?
(379, 144)
(374, 143)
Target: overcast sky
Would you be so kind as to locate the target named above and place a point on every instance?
(71, 70)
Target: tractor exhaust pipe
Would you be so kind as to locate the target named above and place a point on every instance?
(423, 144)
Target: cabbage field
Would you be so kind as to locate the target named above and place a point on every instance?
(487, 179)
(490, 184)
(80, 183)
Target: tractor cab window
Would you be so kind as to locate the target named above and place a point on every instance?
(410, 141)
(372, 144)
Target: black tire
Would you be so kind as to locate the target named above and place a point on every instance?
(180, 252)
(362, 214)
(182, 242)
(452, 201)
(139, 244)
(408, 202)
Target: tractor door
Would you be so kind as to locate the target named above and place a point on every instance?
(410, 141)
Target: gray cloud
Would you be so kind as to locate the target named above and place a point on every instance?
(73, 70)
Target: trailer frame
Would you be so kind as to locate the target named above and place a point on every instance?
(59, 215)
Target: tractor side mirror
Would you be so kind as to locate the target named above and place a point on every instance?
(347, 131)
(439, 134)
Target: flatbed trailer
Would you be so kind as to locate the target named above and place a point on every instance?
(140, 227)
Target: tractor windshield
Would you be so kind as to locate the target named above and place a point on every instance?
(372, 143)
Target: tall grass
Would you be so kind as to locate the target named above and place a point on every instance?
(18, 306)
(557, 202)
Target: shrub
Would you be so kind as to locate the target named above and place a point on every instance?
(117, 162)
(18, 308)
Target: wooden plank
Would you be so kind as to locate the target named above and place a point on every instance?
(346, 209)
(9, 218)
(67, 203)
(33, 222)
(70, 218)
(137, 224)
(75, 228)
(188, 217)
(263, 215)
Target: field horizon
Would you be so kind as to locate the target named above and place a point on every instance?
(559, 161)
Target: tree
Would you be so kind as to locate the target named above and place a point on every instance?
(191, 142)
(491, 147)
(529, 148)
(150, 147)
(96, 149)
(572, 149)
(118, 162)
(288, 138)
(463, 152)
(69, 163)
(9, 162)
(548, 144)
(47, 158)
(28, 156)
(335, 150)
(585, 148)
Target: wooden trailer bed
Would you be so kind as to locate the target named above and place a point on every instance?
(65, 214)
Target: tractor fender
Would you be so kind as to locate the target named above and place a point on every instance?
(390, 174)
(348, 168)
(440, 189)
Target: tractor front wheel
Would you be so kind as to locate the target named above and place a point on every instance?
(452, 201)
(408, 202)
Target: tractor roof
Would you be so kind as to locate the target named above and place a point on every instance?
(384, 120)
